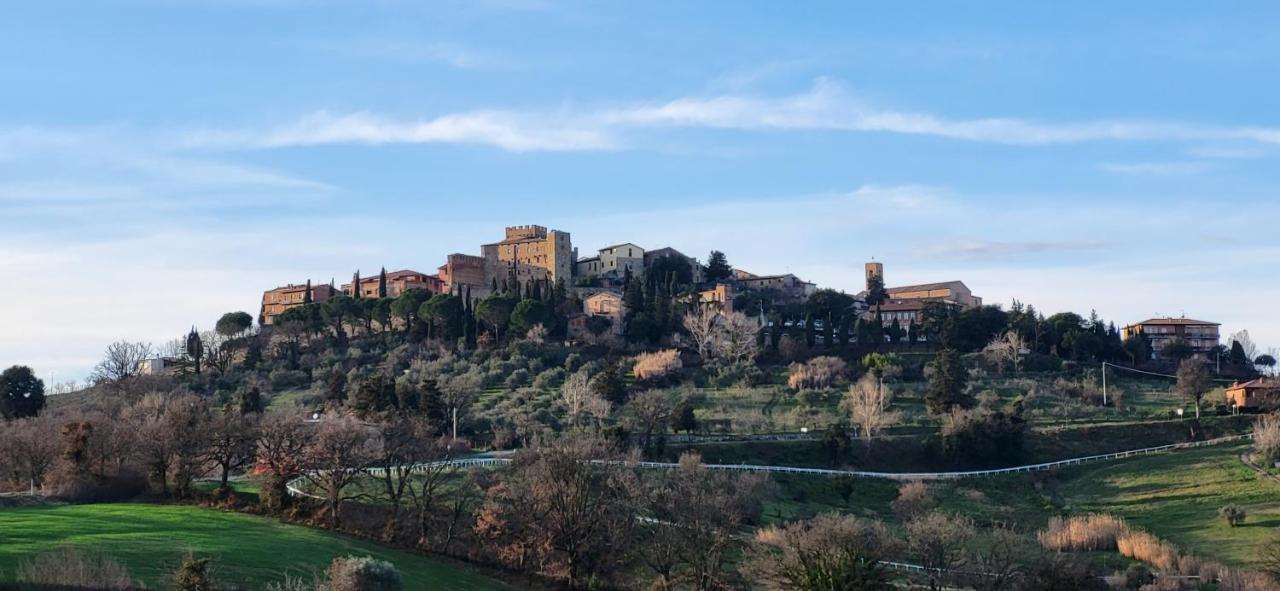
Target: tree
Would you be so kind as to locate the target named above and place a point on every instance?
(1193, 381)
(948, 379)
(649, 413)
(938, 542)
(29, 449)
(1006, 350)
(527, 314)
(234, 324)
(195, 348)
(738, 342)
(830, 552)
(696, 514)
(868, 406)
(580, 400)
(406, 306)
(1177, 349)
(363, 574)
(192, 575)
(703, 325)
(382, 283)
(122, 361)
(458, 393)
(1266, 361)
(876, 293)
(336, 457)
(568, 506)
(233, 440)
(717, 267)
(283, 438)
(1269, 556)
(443, 312)
(495, 312)
(1247, 348)
(21, 393)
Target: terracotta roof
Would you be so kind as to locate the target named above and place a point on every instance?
(927, 286)
(1257, 383)
(900, 306)
(1176, 321)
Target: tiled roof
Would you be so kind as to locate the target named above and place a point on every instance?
(927, 286)
(1177, 321)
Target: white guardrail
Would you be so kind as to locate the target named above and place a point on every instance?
(905, 476)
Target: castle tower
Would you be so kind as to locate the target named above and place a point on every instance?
(875, 271)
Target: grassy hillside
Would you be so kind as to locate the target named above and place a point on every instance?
(250, 551)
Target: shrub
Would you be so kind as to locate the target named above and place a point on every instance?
(363, 574)
(819, 372)
(913, 499)
(1266, 437)
(656, 366)
(75, 568)
(1233, 515)
(284, 379)
(1094, 531)
(549, 379)
(192, 575)
(517, 378)
(1137, 576)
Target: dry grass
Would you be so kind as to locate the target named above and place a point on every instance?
(817, 373)
(657, 365)
(1091, 532)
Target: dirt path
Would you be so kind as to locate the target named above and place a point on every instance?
(1248, 461)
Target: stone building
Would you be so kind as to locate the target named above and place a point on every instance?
(529, 253)
(276, 301)
(785, 283)
(398, 282)
(695, 268)
(1202, 336)
(721, 296)
(462, 272)
(608, 304)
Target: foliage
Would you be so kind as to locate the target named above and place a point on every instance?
(819, 372)
(827, 553)
(656, 366)
(948, 379)
(76, 568)
(1233, 515)
(21, 393)
(717, 267)
(363, 574)
(192, 575)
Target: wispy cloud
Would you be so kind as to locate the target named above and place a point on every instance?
(506, 130)
(1158, 168)
(827, 106)
(975, 248)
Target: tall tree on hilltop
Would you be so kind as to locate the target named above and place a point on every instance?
(306, 295)
(876, 293)
(382, 283)
(718, 266)
(1193, 381)
(195, 347)
(355, 284)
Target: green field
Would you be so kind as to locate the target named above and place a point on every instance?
(249, 551)
(1177, 497)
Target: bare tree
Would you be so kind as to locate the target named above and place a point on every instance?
(340, 454)
(830, 551)
(233, 438)
(406, 471)
(121, 361)
(868, 406)
(567, 507)
(648, 413)
(1001, 560)
(283, 438)
(695, 515)
(30, 451)
(1006, 350)
(738, 343)
(1246, 343)
(189, 420)
(154, 442)
(703, 324)
(219, 350)
(1193, 381)
(938, 542)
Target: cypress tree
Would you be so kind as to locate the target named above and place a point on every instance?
(355, 284)
(382, 283)
(306, 295)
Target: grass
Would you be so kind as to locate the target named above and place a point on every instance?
(1177, 497)
(249, 551)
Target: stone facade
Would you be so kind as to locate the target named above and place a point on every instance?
(529, 253)
(276, 301)
(398, 282)
(721, 296)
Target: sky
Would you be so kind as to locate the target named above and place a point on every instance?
(165, 161)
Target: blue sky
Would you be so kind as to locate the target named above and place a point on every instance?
(164, 161)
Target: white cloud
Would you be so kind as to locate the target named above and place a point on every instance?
(1158, 168)
(495, 128)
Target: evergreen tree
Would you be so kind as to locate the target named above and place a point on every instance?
(355, 285)
(876, 293)
(250, 401)
(718, 267)
(382, 283)
(306, 295)
(21, 393)
(845, 322)
(195, 347)
(947, 382)
(336, 387)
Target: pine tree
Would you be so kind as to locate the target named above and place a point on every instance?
(718, 266)
(382, 283)
(947, 383)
